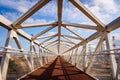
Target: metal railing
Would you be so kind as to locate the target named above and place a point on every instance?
(21, 60)
(100, 62)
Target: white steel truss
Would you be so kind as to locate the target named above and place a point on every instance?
(15, 29)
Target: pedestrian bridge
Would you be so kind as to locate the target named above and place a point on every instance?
(59, 56)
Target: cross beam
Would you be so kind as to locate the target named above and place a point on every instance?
(110, 27)
(39, 25)
(30, 12)
(89, 14)
(91, 27)
(60, 2)
(81, 38)
(43, 32)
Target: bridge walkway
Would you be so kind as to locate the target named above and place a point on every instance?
(57, 69)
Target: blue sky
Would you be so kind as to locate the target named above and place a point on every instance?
(105, 10)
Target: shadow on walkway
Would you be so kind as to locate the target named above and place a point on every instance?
(58, 69)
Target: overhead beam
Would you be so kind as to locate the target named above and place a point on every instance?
(48, 39)
(42, 37)
(30, 12)
(69, 40)
(82, 8)
(81, 38)
(51, 43)
(5, 23)
(62, 41)
(60, 4)
(66, 44)
(91, 27)
(38, 25)
(113, 25)
(110, 27)
(92, 37)
(43, 32)
(72, 37)
(48, 50)
(23, 34)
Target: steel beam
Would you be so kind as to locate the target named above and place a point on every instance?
(69, 36)
(81, 38)
(92, 37)
(69, 40)
(51, 43)
(5, 23)
(6, 56)
(90, 15)
(43, 32)
(30, 12)
(82, 53)
(112, 57)
(15, 36)
(0, 73)
(60, 3)
(91, 27)
(48, 39)
(42, 37)
(39, 25)
(100, 43)
(113, 25)
(23, 34)
(32, 54)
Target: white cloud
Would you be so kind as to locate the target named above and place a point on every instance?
(105, 10)
(72, 14)
(34, 21)
(12, 16)
(51, 33)
(50, 9)
(22, 9)
(108, 5)
(19, 5)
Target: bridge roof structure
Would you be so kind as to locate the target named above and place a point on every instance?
(59, 27)
(65, 37)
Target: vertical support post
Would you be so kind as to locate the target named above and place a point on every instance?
(6, 55)
(112, 57)
(96, 52)
(69, 60)
(84, 58)
(40, 56)
(75, 57)
(81, 54)
(32, 55)
(47, 56)
(43, 60)
(118, 68)
(71, 57)
(0, 74)
(19, 46)
(36, 56)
